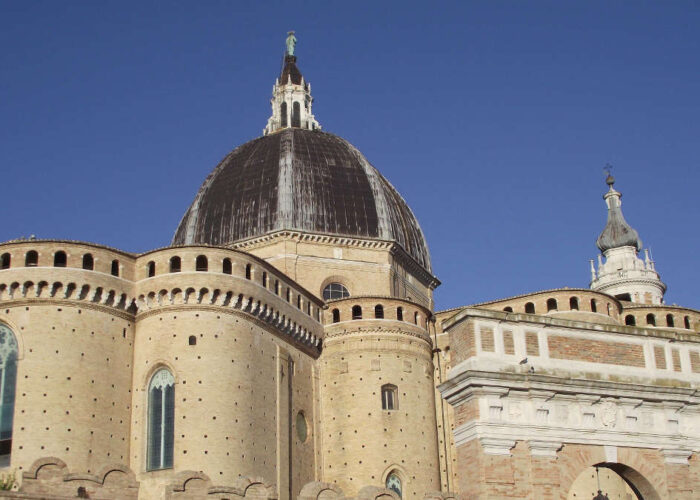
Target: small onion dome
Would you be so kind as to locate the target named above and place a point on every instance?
(304, 180)
(617, 232)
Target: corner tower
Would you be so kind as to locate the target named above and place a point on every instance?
(623, 274)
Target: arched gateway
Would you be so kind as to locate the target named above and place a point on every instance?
(613, 481)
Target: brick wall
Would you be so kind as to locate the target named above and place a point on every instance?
(595, 351)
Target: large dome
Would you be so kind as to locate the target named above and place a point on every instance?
(304, 180)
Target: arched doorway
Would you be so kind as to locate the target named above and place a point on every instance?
(615, 481)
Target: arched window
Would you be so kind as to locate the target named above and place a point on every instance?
(608, 304)
(277, 287)
(551, 305)
(60, 259)
(389, 397)
(175, 264)
(31, 259)
(573, 304)
(201, 264)
(289, 295)
(283, 114)
(248, 271)
(651, 319)
(530, 308)
(151, 266)
(686, 322)
(508, 309)
(335, 291)
(264, 279)
(8, 378)
(161, 420)
(415, 318)
(356, 312)
(296, 114)
(5, 261)
(298, 301)
(115, 268)
(393, 483)
(594, 306)
(379, 311)
(226, 267)
(399, 313)
(669, 320)
(336, 315)
(192, 340)
(88, 262)
(630, 321)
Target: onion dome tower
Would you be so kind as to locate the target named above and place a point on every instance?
(623, 274)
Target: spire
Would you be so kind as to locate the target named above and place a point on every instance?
(617, 232)
(291, 95)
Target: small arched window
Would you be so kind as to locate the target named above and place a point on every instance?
(88, 262)
(335, 291)
(508, 309)
(356, 312)
(336, 315)
(298, 301)
(115, 267)
(283, 114)
(551, 305)
(161, 420)
(8, 378)
(296, 114)
(393, 483)
(31, 259)
(573, 304)
(289, 295)
(248, 271)
(264, 279)
(530, 308)
(390, 399)
(60, 259)
(415, 318)
(651, 319)
(226, 267)
(630, 321)
(399, 313)
(686, 322)
(379, 311)
(5, 261)
(151, 267)
(175, 264)
(669, 320)
(277, 287)
(192, 340)
(202, 263)
(594, 306)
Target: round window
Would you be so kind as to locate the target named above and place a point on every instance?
(302, 430)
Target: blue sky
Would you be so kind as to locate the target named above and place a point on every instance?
(494, 120)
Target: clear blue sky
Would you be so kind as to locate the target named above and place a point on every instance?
(493, 119)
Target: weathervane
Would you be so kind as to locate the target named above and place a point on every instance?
(607, 168)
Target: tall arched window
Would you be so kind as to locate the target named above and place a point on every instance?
(161, 420)
(630, 321)
(8, 378)
(336, 315)
(551, 305)
(669, 320)
(651, 319)
(356, 312)
(393, 483)
(283, 114)
(277, 287)
(264, 279)
(151, 268)
(530, 308)
(60, 259)
(5, 261)
(201, 264)
(399, 313)
(175, 264)
(335, 291)
(296, 114)
(379, 311)
(686, 322)
(31, 259)
(390, 399)
(226, 267)
(248, 271)
(573, 304)
(594, 306)
(115, 268)
(88, 262)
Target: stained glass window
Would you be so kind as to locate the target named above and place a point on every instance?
(161, 420)
(393, 482)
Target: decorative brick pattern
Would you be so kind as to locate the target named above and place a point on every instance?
(595, 351)
(660, 357)
(695, 361)
(487, 340)
(676, 356)
(508, 344)
(532, 344)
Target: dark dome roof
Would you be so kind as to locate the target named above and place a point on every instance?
(302, 180)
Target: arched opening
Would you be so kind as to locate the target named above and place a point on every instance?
(60, 259)
(336, 315)
(686, 322)
(594, 306)
(248, 271)
(161, 420)
(573, 303)
(88, 262)
(508, 309)
(289, 295)
(8, 379)
(31, 259)
(201, 264)
(175, 264)
(277, 287)
(192, 340)
(283, 114)
(379, 311)
(264, 279)
(651, 320)
(5, 261)
(669, 320)
(393, 483)
(399, 313)
(390, 397)
(356, 312)
(551, 305)
(334, 291)
(151, 267)
(115, 267)
(614, 481)
(296, 114)
(630, 320)
(226, 266)
(415, 318)
(298, 301)
(530, 308)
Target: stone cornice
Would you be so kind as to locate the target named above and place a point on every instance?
(120, 313)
